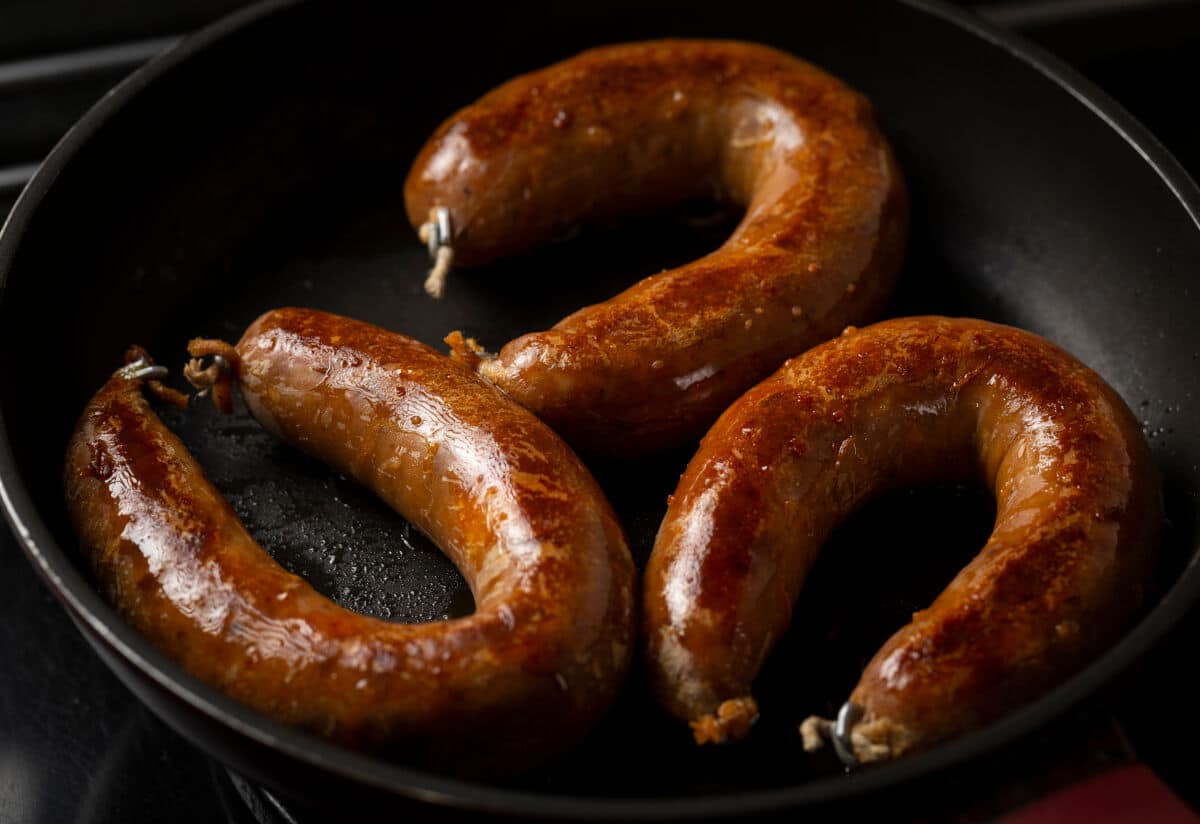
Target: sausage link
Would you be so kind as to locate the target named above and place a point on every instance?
(634, 127)
(523, 677)
(905, 401)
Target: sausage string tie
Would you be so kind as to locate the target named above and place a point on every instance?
(436, 232)
(816, 731)
(139, 366)
(142, 368)
(218, 375)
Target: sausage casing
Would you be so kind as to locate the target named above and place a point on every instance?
(628, 128)
(901, 402)
(523, 677)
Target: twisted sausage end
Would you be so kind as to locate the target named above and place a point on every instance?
(732, 721)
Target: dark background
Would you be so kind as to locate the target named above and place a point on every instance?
(76, 746)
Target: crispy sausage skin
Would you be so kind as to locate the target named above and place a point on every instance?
(634, 127)
(905, 401)
(523, 677)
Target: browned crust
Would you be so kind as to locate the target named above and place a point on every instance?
(628, 128)
(520, 679)
(1063, 573)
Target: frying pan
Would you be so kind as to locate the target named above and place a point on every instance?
(260, 164)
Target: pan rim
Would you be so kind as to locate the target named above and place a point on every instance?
(102, 624)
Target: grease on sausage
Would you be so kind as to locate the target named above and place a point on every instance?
(522, 678)
(628, 128)
(906, 401)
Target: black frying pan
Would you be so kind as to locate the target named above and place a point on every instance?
(260, 164)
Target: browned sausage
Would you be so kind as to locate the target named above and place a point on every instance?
(634, 127)
(523, 677)
(905, 401)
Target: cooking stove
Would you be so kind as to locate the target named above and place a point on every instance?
(75, 745)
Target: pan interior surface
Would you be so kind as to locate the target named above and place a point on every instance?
(229, 185)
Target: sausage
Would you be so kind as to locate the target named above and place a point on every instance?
(521, 678)
(632, 128)
(901, 402)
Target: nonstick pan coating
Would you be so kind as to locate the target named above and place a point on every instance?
(261, 165)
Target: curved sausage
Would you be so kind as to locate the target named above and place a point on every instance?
(635, 127)
(906, 401)
(523, 677)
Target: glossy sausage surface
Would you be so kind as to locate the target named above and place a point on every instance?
(523, 677)
(906, 401)
(630, 128)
